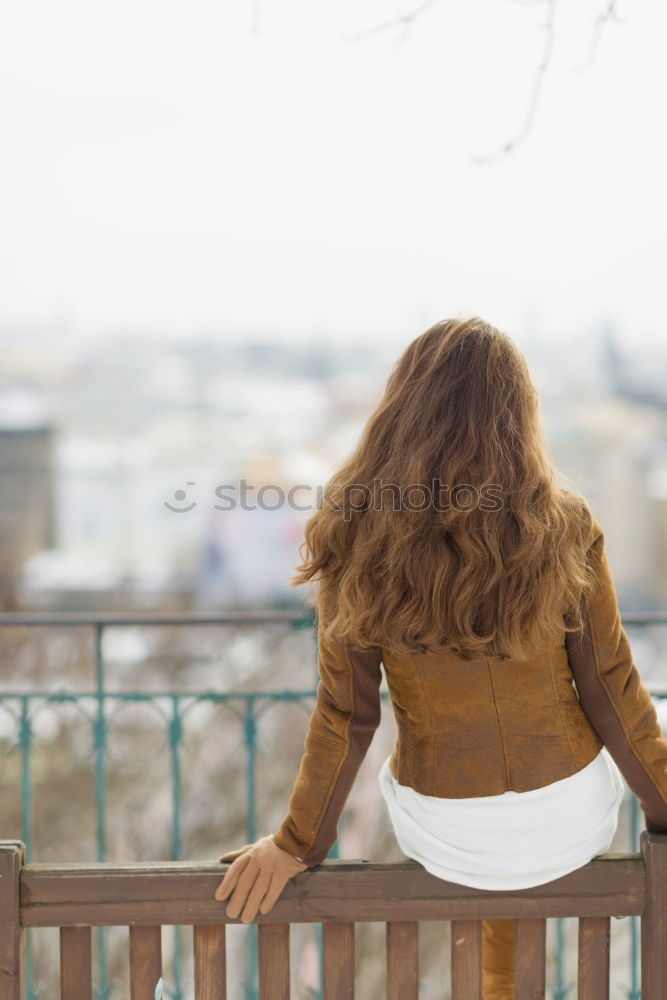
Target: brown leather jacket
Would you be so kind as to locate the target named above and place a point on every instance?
(483, 726)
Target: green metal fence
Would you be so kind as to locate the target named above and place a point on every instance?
(248, 706)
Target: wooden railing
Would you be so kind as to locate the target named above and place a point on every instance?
(337, 894)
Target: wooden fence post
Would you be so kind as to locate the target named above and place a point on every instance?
(12, 943)
(654, 919)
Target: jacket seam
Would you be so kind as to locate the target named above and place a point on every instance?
(500, 728)
(339, 767)
(619, 719)
(427, 702)
(560, 712)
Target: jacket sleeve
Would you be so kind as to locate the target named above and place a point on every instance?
(344, 718)
(612, 695)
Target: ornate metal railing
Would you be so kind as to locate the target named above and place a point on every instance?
(22, 704)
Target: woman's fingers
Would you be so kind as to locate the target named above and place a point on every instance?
(233, 855)
(245, 883)
(256, 895)
(272, 894)
(232, 876)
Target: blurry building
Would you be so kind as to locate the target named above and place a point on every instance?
(26, 485)
(610, 444)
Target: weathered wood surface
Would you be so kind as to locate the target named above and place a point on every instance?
(466, 952)
(530, 958)
(210, 961)
(338, 961)
(274, 978)
(147, 896)
(594, 958)
(654, 923)
(402, 960)
(12, 938)
(145, 961)
(76, 967)
(183, 893)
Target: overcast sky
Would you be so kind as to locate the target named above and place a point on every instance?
(168, 168)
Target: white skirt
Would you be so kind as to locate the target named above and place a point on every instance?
(513, 840)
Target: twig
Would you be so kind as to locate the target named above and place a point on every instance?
(401, 20)
(610, 13)
(536, 90)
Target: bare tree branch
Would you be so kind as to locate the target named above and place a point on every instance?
(610, 13)
(404, 21)
(536, 90)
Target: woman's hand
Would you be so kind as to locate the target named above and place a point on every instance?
(256, 878)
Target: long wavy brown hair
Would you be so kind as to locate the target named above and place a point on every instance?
(445, 529)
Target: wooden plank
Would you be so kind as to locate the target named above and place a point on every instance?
(338, 961)
(12, 938)
(530, 956)
(183, 893)
(654, 923)
(593, 975)
(402, 960)
(76, 967)
(466, 960)
(210, 962)
(274, 981)
(145, 961)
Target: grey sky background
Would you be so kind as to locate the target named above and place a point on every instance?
(166, 169)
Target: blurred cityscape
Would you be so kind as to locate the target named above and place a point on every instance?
(111, 452)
